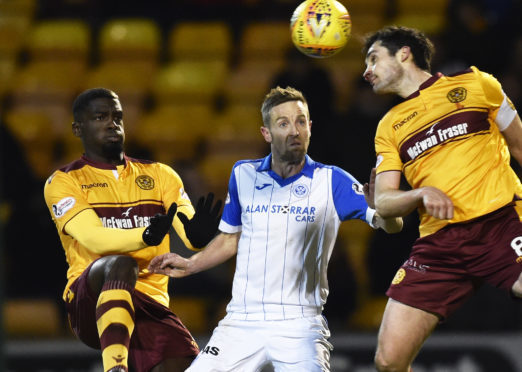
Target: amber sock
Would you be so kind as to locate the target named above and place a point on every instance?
(115, 322)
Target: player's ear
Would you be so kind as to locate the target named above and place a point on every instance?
(77, 128)
(405, 53)
(266, 134)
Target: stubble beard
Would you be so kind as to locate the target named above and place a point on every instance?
(113, 150)
(392, 84)
(293, 157)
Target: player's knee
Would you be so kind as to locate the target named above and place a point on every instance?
(122, 268)
(517, 287)
(385, 363)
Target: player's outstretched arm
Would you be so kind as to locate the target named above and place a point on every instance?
(202, 228)
(219, 250)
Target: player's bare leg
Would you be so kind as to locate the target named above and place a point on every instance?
(517, 287)
(403, 331)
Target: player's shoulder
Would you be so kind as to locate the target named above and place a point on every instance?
(470, 74)
(248, 163)
(148, 165)
(65, 171)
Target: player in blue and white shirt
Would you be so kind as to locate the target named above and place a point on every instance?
(281, 219)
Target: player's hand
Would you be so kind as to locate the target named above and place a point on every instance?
(159, 226)
(436, 203)
(202, 228)
(369, 190)
(170, 264)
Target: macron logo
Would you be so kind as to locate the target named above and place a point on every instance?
(261, 187)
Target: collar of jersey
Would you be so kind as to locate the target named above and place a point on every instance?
(308, 170)
(101, 165)
(426, 84)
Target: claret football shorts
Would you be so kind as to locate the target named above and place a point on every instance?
(446, 267)
(158, 332)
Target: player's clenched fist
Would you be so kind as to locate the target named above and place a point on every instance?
(437, 203)
(170, 264)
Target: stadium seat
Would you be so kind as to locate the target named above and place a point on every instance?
(32, 318)
(173, 132)
(364, 7)
(192, 311)
(18, 8)
(265, 41)
(130, 81)
(186, 39)
(131, 39)
(357, 233)
(248, 83)
(47, 87)
(368, 315)
(7, 71)
(34, 132)
(432, 7)
(189, 82)
(60, 40)
(13, 31)
(429, 23)
(236, 132)
(215, 170)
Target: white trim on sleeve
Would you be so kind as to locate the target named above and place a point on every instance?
(370, 213)
(505, 114)
(227, 228)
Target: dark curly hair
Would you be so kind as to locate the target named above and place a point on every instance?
(395, 37)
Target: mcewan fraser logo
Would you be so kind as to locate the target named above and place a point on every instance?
(95, 184)
(404, 121)
(457, 95)
(145, 182)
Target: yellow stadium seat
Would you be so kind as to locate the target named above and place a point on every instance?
(432, 7)
(249, 83)
(173, 132)
(186, 40)
(32, 318)
(265, 41)
(13, 30)
(192, 311)
(363, 7)
(189, 81)
(430, 23)
(49, 87)
(60, 39)
(34, 131)
(130, 81)
(357, 233)
(368, 315)
(215, 170)
(131, 39)
(7, 72)
(365, 23)
(20, 8)
(237, 133)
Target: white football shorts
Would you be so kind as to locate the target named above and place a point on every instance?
(249, 345)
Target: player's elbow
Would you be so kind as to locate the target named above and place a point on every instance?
(393, 225)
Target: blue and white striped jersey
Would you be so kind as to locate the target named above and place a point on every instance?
(288, 230)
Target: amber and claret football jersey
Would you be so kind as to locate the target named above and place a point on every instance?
(123, 197)
(448, 135)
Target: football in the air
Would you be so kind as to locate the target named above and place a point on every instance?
(320, 28)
